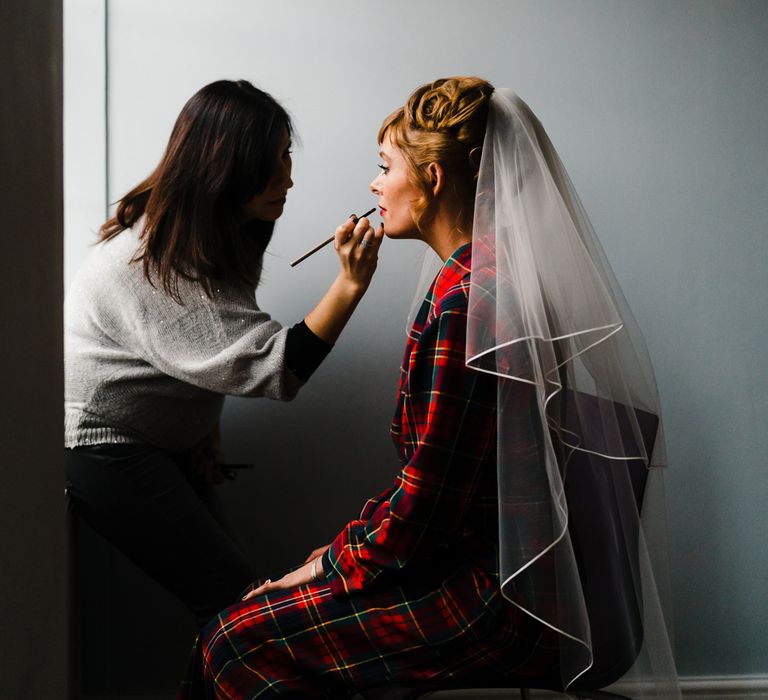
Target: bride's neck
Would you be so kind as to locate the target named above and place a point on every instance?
(446, 232)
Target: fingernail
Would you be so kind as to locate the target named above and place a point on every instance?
(269, 580)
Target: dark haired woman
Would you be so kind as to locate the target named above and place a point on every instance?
(162, 322)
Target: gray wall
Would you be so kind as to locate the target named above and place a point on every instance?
(658, 110)
(33, 571)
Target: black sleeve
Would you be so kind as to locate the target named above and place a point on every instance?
(304, 351)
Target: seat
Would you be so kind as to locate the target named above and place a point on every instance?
(608, 566)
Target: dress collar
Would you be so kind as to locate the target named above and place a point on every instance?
(454, 270)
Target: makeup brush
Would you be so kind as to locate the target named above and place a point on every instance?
(325, 243)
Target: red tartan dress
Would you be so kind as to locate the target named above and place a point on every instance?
(412, 586)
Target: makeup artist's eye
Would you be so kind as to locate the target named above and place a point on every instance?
(385, 168)
(287, 153)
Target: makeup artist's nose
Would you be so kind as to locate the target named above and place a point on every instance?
(287, 179)
(284, 179)
(283, 174)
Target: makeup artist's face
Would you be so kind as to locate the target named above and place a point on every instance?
(396, 193)
(268, 204)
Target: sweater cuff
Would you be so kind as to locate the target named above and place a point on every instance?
(304, 351)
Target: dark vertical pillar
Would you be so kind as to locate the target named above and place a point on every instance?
(33, 561)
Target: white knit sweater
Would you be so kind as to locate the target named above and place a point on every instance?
(139, 367)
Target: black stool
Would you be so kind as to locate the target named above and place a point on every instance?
(422, 691)
(397, 692)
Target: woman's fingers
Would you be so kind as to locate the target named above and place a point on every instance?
(263, 588)
(297, 577)
(366, 249)
(344, 231)
(354, 231)
(317, 553)
(268, 586)
(365, 240)
(373, 238)
(357, 245)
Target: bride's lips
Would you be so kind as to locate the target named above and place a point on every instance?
(382, 210)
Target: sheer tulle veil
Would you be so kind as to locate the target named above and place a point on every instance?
(581, 513)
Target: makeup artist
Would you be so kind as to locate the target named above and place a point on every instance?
(161, 322)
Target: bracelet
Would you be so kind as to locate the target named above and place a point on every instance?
(313, 570)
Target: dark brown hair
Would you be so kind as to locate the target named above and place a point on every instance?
(221, 153)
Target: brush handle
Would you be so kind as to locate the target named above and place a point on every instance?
(325, 243)
(312, 252)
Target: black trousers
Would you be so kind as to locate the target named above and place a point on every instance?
(154, 508)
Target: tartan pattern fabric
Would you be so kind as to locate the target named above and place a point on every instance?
(444, 429)
(412, 591)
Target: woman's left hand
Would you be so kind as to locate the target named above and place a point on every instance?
(317, 553)
(298, 577)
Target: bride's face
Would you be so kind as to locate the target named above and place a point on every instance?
(396, 193)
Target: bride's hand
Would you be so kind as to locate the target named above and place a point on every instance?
(302, 575)
(317, 553)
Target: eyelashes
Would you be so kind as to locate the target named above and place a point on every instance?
(384, 168)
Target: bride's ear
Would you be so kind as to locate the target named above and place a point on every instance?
(437, 177)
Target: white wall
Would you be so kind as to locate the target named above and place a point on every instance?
(658, 110)
(85, 152)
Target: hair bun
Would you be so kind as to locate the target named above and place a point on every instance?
(448, 103)
(442, 122)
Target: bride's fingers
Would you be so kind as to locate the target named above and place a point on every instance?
(315, 553)
(263, 588)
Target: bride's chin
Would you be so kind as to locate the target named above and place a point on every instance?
(402, 234)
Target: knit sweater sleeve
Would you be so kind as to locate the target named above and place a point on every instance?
(225, 343)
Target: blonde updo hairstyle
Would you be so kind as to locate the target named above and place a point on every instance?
(442, 122)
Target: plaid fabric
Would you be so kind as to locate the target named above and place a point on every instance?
(412, 590)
